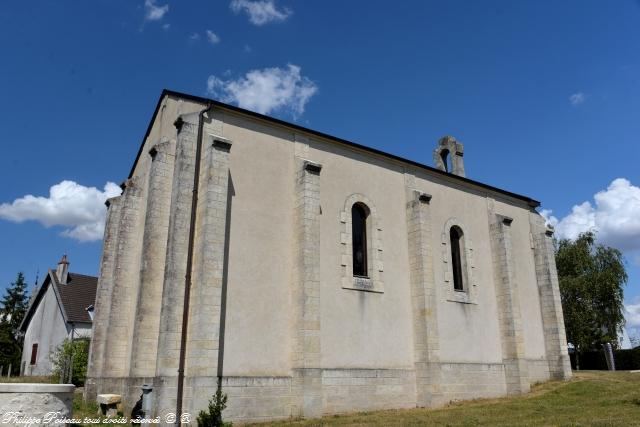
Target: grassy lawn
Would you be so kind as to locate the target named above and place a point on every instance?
(591, 398)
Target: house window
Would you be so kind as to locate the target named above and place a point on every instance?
(34, 353)
(456, 240)
(359, 214)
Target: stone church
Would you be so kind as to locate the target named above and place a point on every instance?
(308, 275)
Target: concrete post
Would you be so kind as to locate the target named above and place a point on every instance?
(424, 301)
(154, 247)
(307, 375)
(555, 338)
(515, 365)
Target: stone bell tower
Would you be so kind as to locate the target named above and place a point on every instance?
(448, 156)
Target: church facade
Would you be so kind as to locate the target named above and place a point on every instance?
(307, 275)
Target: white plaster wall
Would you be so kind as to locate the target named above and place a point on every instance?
(468, 332)
(258, 316)
(363, 329)
(47, 328)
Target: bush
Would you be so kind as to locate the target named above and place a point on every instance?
(213, 417)
(71, 355)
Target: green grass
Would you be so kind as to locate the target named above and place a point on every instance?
(591, 398)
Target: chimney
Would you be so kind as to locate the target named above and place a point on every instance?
(62, 272)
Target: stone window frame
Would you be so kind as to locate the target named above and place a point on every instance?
(470, 293)
(375, 266)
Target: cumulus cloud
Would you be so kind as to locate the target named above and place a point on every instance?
(615, 216)
(632, 316)
(212, 37)
(266, 90)
(577, 98)
(79, 209)
(260, 12)
(153, 12)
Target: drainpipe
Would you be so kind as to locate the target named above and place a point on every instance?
(187, 277)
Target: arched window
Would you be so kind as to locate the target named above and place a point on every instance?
(359, 214)
(455, 237)
(444, 155)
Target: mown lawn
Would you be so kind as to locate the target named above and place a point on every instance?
(591, 398)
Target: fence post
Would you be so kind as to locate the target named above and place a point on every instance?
(608, 355)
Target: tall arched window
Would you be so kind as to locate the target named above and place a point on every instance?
(359, 214)
(455, 237)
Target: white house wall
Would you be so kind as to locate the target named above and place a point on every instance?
(46, 328)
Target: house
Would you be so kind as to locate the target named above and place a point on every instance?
(61, 308)
(308, 275)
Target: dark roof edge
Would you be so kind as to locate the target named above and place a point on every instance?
(531, 202)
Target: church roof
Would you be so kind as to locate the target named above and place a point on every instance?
(529, 201)
(73, 298)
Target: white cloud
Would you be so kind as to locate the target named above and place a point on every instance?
(549, 219)
(153, 12)
(632, 314)
(166, 27)
(615, 217)
(266, 90)
(260, 12)
(212, 37)
(194, 36)
(79, 209)
(577, 98)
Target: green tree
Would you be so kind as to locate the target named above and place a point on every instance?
(14, 307)
(592, 277)
(71, 356)
(212, 417)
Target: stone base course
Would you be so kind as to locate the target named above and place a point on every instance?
(342, 390)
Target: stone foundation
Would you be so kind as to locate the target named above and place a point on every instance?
(342, 390)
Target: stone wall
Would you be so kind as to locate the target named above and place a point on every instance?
(462, 381)
(35, 401)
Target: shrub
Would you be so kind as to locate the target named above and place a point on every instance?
(71, 355)
(213, 416)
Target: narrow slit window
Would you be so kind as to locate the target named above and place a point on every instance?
(359, 214)
(455, 237)
(34, 354)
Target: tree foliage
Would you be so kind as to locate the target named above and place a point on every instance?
(14, 307)
(71, 356)
(212, 417)
(592, 277)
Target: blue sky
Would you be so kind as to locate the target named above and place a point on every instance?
(545, 95)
